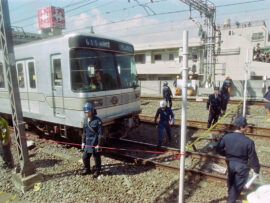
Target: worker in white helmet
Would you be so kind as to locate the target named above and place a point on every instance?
(166, 120)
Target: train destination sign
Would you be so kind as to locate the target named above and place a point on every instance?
(82, 41)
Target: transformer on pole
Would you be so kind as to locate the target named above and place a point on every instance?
(207, 9)
(26, 169)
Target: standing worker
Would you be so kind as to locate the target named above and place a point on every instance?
(91, 140)
(214, 105)
(226, 91)
(5, 142)
(165, 121)
(239, 151)
(228, 83)
(167, 93)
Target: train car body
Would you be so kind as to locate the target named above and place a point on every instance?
(57, 76)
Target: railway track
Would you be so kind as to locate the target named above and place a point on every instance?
(151, 161)
(204, 100)
(144, 159)
(220, 128)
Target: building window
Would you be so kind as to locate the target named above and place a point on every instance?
(257, 36)
(171, 56)
(164, 78)
(157, 57)
(2, 77)
(140, 58)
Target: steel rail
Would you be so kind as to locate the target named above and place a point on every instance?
(143, 161)
(204, 100)
(188, 153)
(252, 131)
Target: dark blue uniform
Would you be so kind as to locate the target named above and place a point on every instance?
(167, 95)
(225, 96)
(92, 132)
(239, 151)
(165, 117)
(214, 105)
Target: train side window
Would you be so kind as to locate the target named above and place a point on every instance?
(32, 74)
(2, 77)
(57, 73)
(20, 74)
(109, 71)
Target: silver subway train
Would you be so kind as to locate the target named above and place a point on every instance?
(57, 76)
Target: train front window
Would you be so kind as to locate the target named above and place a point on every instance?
(127, 70)
(92, 71)
(84, 64)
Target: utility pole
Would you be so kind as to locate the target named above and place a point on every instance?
(26, 170)
(208, 9)
(184, 118)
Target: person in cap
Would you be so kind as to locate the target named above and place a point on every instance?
(240, 153)
(226, 91)
(166, 120)
(91, 140)
(5, 143)
(215, 106)
(167, 93)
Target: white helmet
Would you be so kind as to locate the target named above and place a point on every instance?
(163, 103)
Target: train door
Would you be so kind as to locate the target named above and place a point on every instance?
(22, 83)
(26, 74)
(57, 86)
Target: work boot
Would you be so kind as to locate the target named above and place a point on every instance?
(85, 171)
(96, 174)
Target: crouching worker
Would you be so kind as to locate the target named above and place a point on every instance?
(240, 153)
(166, 120)
(5, 142)
(91, 140)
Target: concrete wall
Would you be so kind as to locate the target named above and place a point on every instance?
(255, 90)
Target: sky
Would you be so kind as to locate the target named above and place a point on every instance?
(136, 21)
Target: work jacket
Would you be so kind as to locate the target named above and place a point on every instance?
(165, 116)
(167, 93)
(215, 103)
(239, 148)
(92, 133)
(4, 132)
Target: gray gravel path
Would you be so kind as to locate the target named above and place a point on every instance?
(119, 182)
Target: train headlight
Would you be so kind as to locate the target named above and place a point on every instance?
(97, 102)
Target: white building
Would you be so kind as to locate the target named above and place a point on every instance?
(162, 60)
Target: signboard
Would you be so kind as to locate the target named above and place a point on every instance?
(51, 17)
(99, 43)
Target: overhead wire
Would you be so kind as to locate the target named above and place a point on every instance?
(106, 12)
(158, 14)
